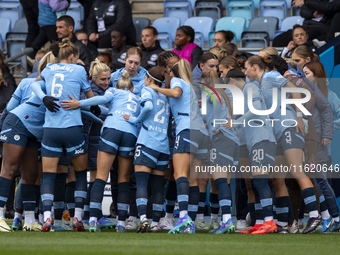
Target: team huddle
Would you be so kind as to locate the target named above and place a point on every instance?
(149, 124)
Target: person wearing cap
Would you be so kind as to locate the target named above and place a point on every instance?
(185, 46)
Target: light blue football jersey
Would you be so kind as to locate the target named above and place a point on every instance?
(269, 81)
(62, 81)
(258, 129)
(137, 80)
(21, 94)
(32, 115)
(153, 133)
(218, 110)
(185, 108)
(121, 102)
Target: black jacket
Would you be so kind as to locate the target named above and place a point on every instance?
(116, 14)
(150, 55)
(323, 6)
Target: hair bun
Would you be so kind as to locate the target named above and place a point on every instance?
(125, 74)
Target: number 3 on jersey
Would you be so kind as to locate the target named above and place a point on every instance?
(57, 88)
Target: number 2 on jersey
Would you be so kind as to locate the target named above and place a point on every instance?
(165, 107)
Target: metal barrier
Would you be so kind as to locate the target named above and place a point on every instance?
(11, 61)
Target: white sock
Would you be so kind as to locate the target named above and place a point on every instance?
(47, 215)
(78, 213)
(29, 217)
(142, 217)
(313, 214)
(325, 215)
(225, 217)
(199, 217)
(183, 213)
(2, 212)
(121, 223)
(268, 218)
(259, 222)
(336, 219)
(18, 215)
(93, 219)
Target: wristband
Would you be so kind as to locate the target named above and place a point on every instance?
(299, 114)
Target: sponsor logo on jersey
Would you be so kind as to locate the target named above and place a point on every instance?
(79, 151)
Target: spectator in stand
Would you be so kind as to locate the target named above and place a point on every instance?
(185, 46)
(83, 37)
(299, 37)
(107, 15)
(119, 48)
(106, 58)
(150, 47)
(65, 29)
(223, 37)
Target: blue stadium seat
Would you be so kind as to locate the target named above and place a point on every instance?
(76, 11)
(241, 8)
(178, 9)
(140, 23)
(260, 32)
(166, 27)
(202, 26)
(4, 29)
(288, 23)
(212, 9)
(273, 8)
(11, 10)
(235, 24)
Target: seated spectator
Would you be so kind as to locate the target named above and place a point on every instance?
(106, 58)
(316, 21)
(223, 37)
(299, 37)
(65, 29)
(119, 48)
(150, 47)
(82, 36)
(185, 46)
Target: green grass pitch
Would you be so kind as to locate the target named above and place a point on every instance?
(109, 242)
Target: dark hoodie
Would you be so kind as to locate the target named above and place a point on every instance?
(150, 55)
